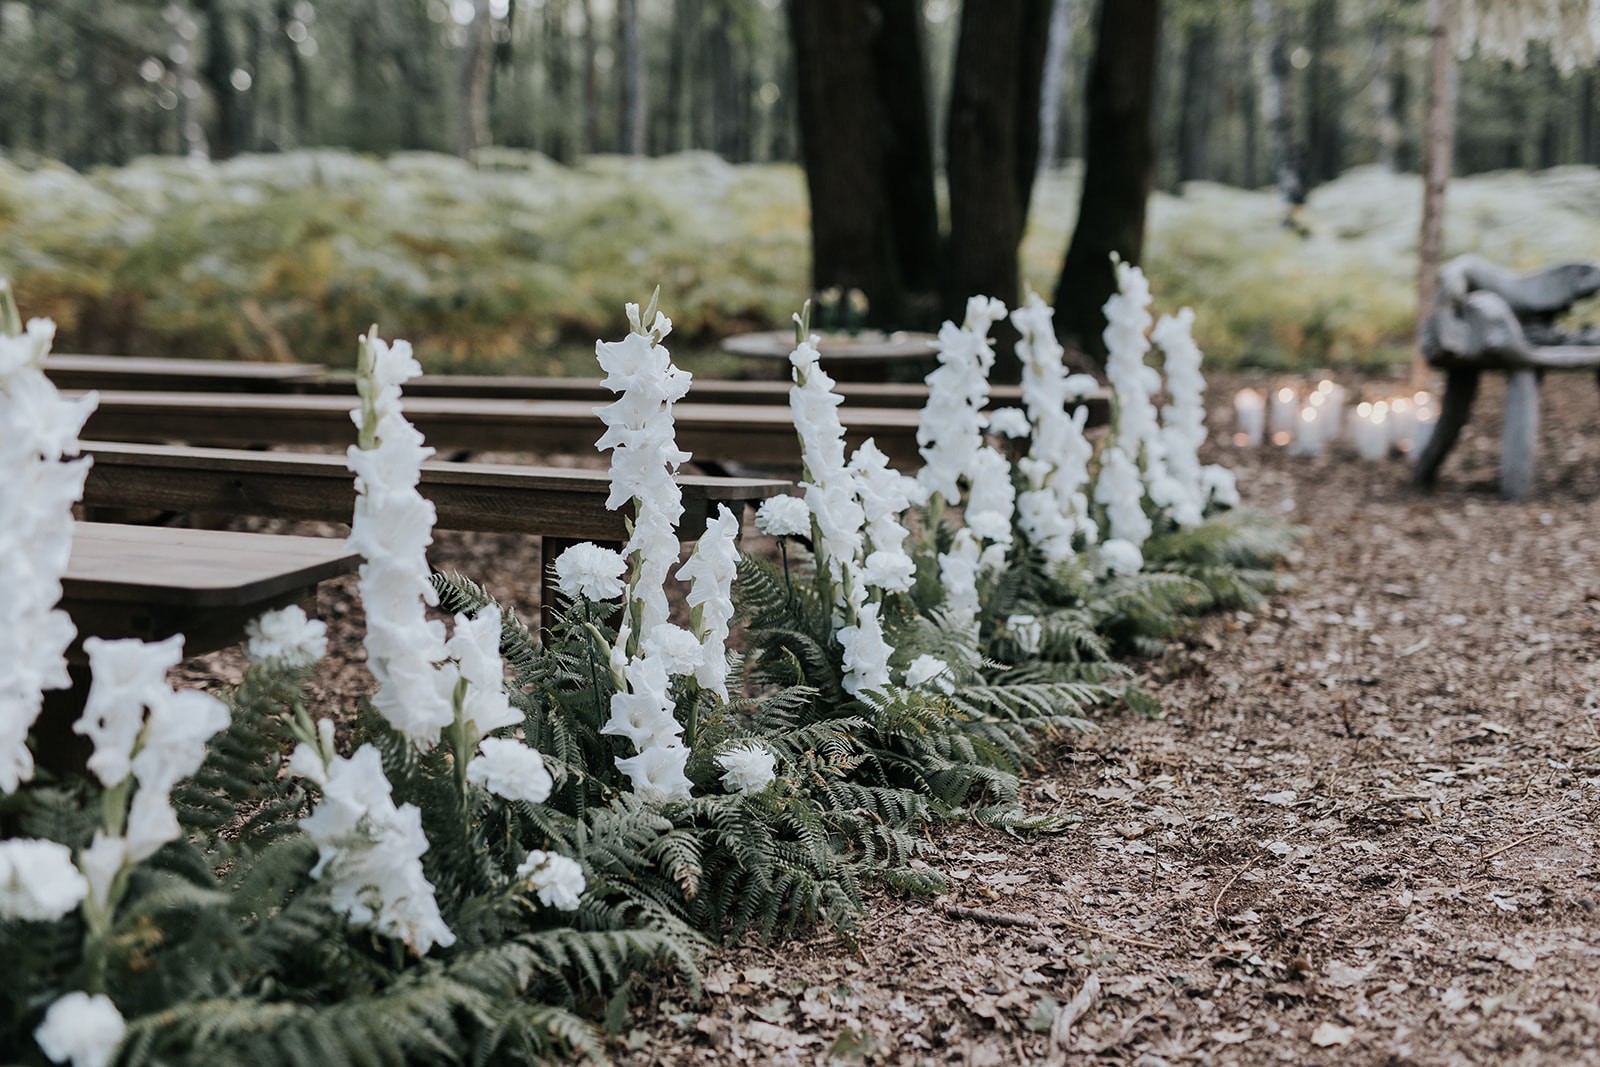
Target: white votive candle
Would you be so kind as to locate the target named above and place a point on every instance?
(1250, 413)
(1285, 414)
(1308, 437)
(1369, 431)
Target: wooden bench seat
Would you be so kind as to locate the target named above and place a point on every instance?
(69, 371)
(751, 434)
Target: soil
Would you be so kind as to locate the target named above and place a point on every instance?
(1362, 833)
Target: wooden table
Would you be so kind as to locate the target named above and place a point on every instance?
(868, 356)
(200, 375)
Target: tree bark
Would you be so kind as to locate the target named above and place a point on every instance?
(299, 79)
(993, 147)
(633, 100)
(867, 148)
(1057, 47)
(1119, 169)
(1438, 147)
(1384, 98)
(218, 75)
(1272, 65)
(1196, 102)
(477, 61)
(1324, 136)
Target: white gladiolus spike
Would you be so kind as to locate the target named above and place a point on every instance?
(38, 487)
(1184, 419)
(1053, 510)
(392, 529)
(710, 572)
(950, 431)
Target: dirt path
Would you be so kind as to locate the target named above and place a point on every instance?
(1363, 834)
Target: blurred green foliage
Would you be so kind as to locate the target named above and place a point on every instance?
(519, 263)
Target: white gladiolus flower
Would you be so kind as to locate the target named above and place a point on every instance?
(784, 516)
(657, 773)
(642, 712)
(992, 500)
(958, 573)
(676, 649)
(1121, 491)
(1009, 422)
(37, 491)
(1028, 631)
(1078, 386)
(288, 637)
(370, 851)
(586, 570)
(747, 768)
(557, 880)
(1121, 557)
(927, 669)
(392, 528)
(710, 572)
(38, 882)
(81, 1029)
(866, 654)
(950, 431)
(101, 862)
(126, 678)
(510, 769)
(1053, 510)
(885, 494)
(1184, 417)
(1220, 486)
(475, 644)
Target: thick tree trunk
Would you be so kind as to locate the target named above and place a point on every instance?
(868, 153)
(993, 147)
(218, 75)
(1057, 47)
(1438, 147)
(1196, 101)
(1386, 116)
(1119, 169)
(1324, 136)
(299, 78)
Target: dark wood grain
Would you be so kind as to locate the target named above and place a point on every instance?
(69, 371)
(490, 498)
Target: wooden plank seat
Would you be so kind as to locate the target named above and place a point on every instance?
(1487, 318)
(747, 434)
(69, 371)
(203, 375)
(491, 498)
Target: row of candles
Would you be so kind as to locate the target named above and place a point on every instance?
(1307, 420)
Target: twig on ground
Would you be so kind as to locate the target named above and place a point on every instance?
(997, 918)
(1487, 856)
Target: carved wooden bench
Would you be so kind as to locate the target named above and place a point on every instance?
(1487, 318)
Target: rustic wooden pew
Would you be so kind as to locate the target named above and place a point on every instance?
(192, 375)
(748, 434)
(150, 582)
(556, 506)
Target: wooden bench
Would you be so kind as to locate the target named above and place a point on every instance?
(196, 375)
(557, 507)
(718, 432)
(1487, 318)
(152, 582)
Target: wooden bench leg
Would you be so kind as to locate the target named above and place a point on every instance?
(1520, 441)
(1460, 389)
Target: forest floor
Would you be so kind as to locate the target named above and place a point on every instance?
(1362, 833)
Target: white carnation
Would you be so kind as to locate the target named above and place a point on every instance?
(510, 769)
(747, 768)
(586, 570)
(891, 571)
(288, 637)
(784, 516)
(677, 649)
(82, 1029)
(558, 880)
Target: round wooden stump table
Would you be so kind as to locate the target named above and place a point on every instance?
(866, 356)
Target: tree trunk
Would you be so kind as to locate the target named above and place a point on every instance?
(191, 133)
(218, 75)
(1272, 66)
(633, 100)
(1324, 138)
(1438, 146)
(477, 62)
(1385, 114)
(1057, 47)
(868, 153)
(1119, 169)
(1196, 101)
(299, 80)
(590, 81)
(993, 147)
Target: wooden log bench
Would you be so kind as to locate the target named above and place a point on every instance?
(1487, 318)
(69, 371)
(557, 507)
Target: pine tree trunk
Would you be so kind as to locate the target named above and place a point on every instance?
(864, 138)
(1385, 115)
(477, 62)
(299, 78)
(633, 99)
(1119, 169)
(1324, 137)
(1438, 147)
(218, 74)
(993, 147)
(1272, 66)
